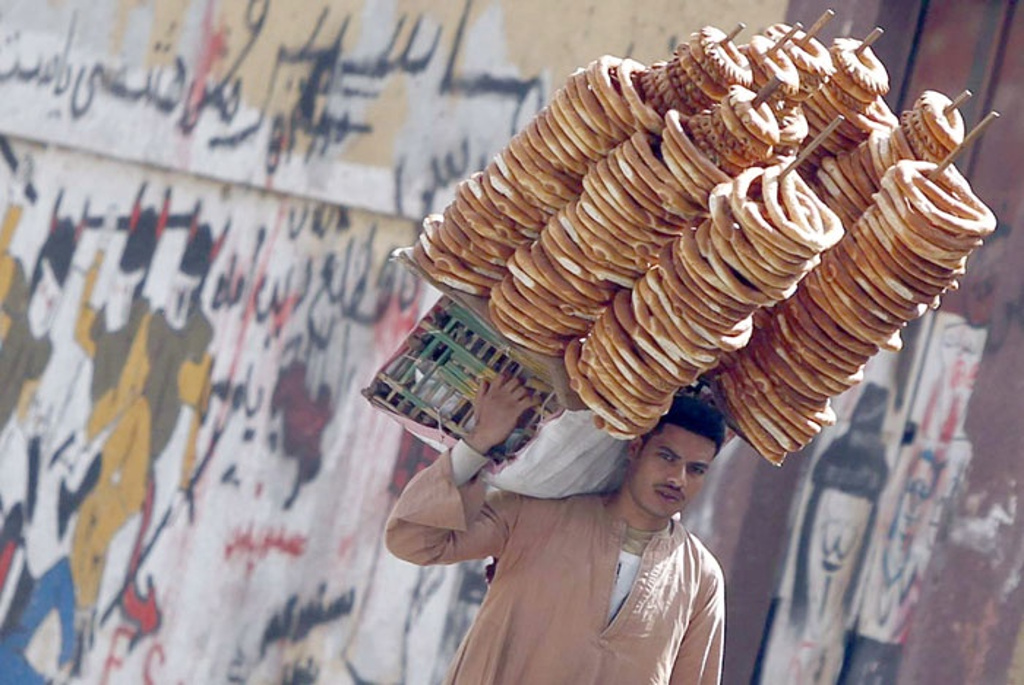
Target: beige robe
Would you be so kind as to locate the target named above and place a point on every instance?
(545, 616)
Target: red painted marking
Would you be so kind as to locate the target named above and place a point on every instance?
(114, 662)
(155, 650)
(255, 546)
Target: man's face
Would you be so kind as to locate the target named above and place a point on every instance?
(666, 471)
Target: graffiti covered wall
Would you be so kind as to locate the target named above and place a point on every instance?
(377, 104)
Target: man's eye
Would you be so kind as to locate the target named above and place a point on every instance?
(669, 457)
(698, 469)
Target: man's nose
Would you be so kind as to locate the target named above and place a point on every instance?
(677, 477)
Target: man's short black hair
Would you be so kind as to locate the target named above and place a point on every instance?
(696, 416)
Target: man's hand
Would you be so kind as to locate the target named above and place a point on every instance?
(497, 406)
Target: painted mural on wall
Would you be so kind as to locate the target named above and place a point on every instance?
(378, 104)
(182, 428)
(866, 523)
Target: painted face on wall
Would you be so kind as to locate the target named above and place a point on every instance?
(179, 303)
(42, 306)
(666, 471)
(120, 297)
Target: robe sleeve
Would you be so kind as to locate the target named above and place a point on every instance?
(700, 655)
(436, 522)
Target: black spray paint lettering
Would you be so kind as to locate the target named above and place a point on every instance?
(293, 623)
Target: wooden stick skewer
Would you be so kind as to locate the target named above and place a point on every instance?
(766, 92)
(812, 146)
(825, 18)
(875, 34)
(735, 32)
(967, 141)
(957, 101)
(785, 39)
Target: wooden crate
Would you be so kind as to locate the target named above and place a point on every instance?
(429, 383)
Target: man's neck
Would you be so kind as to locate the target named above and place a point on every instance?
(620, 506)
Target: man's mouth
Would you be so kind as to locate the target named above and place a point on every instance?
(669, 494)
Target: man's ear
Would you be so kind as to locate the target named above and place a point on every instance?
(635, 445)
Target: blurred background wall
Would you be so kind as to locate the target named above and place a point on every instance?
(199, 198)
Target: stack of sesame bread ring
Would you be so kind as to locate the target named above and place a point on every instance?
(907, 249)
(750, 216)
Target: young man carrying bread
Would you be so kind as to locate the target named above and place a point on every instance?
(591, 588)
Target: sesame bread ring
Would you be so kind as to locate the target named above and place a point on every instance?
(580, 384)
(528, 218)
(657, 343)
(602, 78)
(948, 200)
(793, 129)
(621, 398)
(596, 355)
(464, 233)
(698, 351)
(874, 286)
(767, 65)
(695, 89)
(792, 331)
(653, 169)
(579, 92)
(795, 417)
(736, 402)
(755, 128)
(756, 220)
(548, 284)
(796, 211)
(676, 298)
(534, 189)
(646, 116)
(576, 135)
(609, 334)
(520, 329)
(469, 195)
(541, 138)
(539, 309)
(560, 183)
(858, 70)
(732, 282)
(689, 158)
(570, 99)
(608, 188)
(606, 359)
(446, 270)
(591, 220)
(946, 129)
(593, 294)
(805, 312)
(600, 244)
(559, 144)
(733, 246)
(690, 303)
(938, 245)
(649, 349)
(810, 58)
(719, 57)
(846, 318)
(700, 278)
(855, 314)
(626, 171)
(470, 257)
(849, 165)
(760, 431)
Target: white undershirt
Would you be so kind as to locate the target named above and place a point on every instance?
(625, 574)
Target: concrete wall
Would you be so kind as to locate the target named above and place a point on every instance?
(198, 201)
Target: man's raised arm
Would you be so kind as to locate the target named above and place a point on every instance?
(443, 515)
